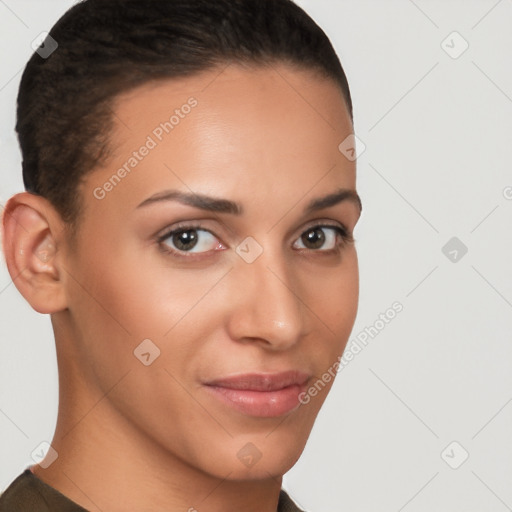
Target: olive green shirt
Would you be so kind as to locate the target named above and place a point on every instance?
(28, 493)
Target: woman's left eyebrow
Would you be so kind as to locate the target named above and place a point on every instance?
(218, 205)
(342, 194)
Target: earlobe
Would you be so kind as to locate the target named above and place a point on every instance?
(30, 229)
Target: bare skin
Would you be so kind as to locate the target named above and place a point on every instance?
(132, 437)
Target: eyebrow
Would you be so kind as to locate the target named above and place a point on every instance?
(217, 205)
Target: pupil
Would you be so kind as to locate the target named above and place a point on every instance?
(185, 239)
(316, 237)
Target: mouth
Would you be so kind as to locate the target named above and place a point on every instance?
(263, 395)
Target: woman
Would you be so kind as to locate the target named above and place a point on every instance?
(188, 225)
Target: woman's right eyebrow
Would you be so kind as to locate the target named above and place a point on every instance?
(219, 205)
(196, 200)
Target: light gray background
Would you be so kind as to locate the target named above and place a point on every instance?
(437, 131)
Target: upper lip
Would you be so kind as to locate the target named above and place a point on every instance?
(262, 381)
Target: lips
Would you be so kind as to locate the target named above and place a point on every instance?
(259, 394)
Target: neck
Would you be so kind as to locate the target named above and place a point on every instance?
(104, 464)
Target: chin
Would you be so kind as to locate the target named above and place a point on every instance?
(256, 457)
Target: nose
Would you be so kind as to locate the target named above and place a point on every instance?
(267, 303)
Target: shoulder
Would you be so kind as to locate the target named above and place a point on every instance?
(22, 494)
(27, 493)
(285, 503)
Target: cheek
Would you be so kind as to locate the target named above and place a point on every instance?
(334, 298)
(348, 292)
(133, 291)
(119, 302)
(340, 305)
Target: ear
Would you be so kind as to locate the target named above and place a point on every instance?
(32, 232)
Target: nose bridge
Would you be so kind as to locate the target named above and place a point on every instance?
(268, 307)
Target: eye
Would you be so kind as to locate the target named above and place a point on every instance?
(189, 239)
(185, 240)
(329, 238)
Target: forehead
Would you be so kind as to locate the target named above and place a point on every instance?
(223, 86)
(230, 131)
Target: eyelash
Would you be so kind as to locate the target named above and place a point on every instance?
(344, 239)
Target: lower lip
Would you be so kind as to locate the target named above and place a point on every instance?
(264, 404)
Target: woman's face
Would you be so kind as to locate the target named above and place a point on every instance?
(185, 335)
